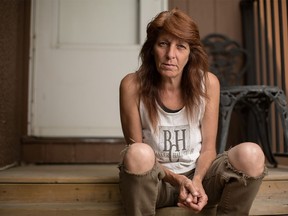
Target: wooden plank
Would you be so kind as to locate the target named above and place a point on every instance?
(269, 207)
(53, 193)
(71, 150)
(203, 12)
(80, 209)
(105, 173)
(279, 173)
(61, 209)
(273, 194)
(181, 4)
(61, 174)
(176, 211)
(228, 19)
(277, 189)
(92, 209)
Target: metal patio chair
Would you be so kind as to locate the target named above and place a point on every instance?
(228, 61)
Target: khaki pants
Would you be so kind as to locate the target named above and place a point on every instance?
(231, 191)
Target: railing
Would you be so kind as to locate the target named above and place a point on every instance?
(265, 36)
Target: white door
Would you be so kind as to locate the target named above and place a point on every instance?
(80, 50)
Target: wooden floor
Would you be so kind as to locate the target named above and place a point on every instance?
(45, 189)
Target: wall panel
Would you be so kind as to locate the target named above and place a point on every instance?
(213, 16)
(13, 66)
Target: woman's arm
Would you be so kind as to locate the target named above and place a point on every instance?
(192, 194)
(209, 127)
(129, 109)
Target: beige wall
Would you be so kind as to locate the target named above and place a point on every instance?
(213, 16)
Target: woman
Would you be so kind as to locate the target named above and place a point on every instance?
(169, 112)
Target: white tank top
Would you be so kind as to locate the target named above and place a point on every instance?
(177, 139)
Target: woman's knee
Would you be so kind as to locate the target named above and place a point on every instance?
(139, 158)
(247, 157)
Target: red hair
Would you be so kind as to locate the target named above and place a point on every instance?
(180, 25)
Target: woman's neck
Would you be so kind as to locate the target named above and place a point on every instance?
(171, 98)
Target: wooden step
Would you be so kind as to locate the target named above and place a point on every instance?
(60, 209)
(71, 192)
(80, 209)
(99, 209)
(93, 190)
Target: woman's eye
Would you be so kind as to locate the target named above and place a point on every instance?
(181, 46)
(163, 43)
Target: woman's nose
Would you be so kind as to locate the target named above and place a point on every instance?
(171, 52)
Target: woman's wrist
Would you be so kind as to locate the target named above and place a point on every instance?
(182, 179)
(197, 178)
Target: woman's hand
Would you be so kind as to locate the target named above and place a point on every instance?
(191, 192)
(192, 195)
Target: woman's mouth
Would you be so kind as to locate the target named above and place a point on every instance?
(168, 66)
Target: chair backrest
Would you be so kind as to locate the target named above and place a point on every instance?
(228, 61)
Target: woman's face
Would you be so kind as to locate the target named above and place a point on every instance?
(171, 55)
